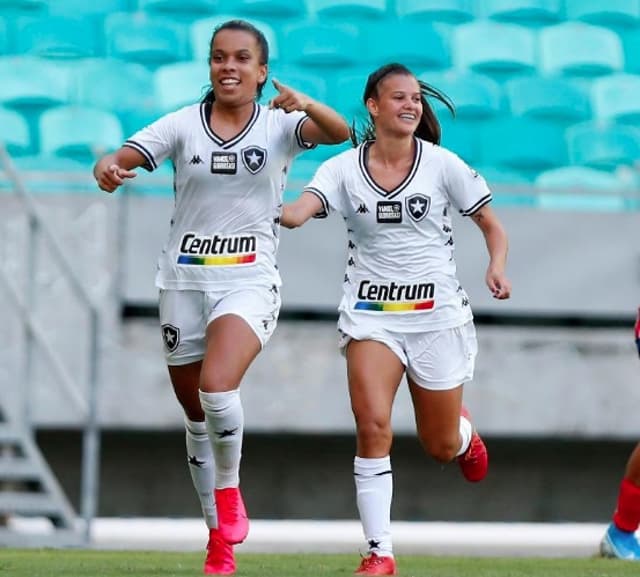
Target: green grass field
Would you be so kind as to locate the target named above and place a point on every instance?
(83, 563)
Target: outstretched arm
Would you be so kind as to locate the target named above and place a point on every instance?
(111, 170)
(497, 246)
(296, 213)
(324, 126)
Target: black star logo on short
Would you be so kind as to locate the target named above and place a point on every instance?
(226, 433)
(193, 460)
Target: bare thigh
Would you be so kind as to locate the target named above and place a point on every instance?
(437, 419)
(374, 374)
(185, 380)
(232, 345)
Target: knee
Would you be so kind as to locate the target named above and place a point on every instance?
(443, 450)
(373, 432)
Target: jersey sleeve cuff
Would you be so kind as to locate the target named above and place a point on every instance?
(324, 212)
(150, 163)
(477, 206)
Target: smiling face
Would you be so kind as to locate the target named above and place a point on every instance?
(397, 107)
(235, 67)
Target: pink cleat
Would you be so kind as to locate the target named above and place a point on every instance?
(474, 462)
(220, 560)
(375, 565)
(233, 523)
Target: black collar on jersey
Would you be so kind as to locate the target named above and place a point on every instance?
(205, 116)
(362, 161)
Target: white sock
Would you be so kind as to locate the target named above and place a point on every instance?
(466, 431)
(225, 423)
(200, 460)
(374, 490)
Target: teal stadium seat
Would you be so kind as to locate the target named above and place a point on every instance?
(554, 99)
(449, 11)
(30, 83)
(581, 178)
(494, 48)
(54, 175)
(420, 46)
(533, 13)
(201, 30)
(275, 11)
(150, 40)
(579, 49)
(631, 47)
(67, 37)
(525, 144)
(300, 174)
(181, 9)
(14, 132)
(615, 97)
(180, 84)
(346, 94)
(323, 152)
(23, 7)
(321, 45)
(298, 78)
(460, 137)
(84, 8)
(79, 132)
(4, 36)
(474, 96)
(603, 145)
(616, 14)
(362, 11)
(125, 88)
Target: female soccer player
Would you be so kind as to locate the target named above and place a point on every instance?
(403, 311)
(217, 275)
(620, 540)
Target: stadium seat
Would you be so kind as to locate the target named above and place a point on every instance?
(321, 45)
(55, 175)
(474, 96)
(348, 10)
(603, 145)
(579, 177)
(578, 49)
(420, 46)
(495, 175)
(552, 98)
(130, 85)
(615, 97)
(526, 144)
(460, 137)
(615, 14)
(182, 9)
(149, 40)
(450, 11)
(201, 30)
(84, 8)
(631, 47)
(323, 152)
(346, 94)
(494, 48)
(14, 132)
(4, 36)
(298, 78)
(300, 174)
(56, 37)
(533, 13)
(271, 10)
(79, 132)
(180, 84)
(32, 83)
(24, 7)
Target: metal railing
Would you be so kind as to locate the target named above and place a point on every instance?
(35, 337)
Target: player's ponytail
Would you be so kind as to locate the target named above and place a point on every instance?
(244, 26)
(428, 128)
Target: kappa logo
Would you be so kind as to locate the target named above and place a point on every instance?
(362, 209)
(171, 337)
(418, 206)
(254, 158)
(196, 159)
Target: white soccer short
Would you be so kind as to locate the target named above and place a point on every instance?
(185, 315)
(436, 360)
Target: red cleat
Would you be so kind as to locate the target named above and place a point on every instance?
(474, 462)
(220, 560)
(233, 523)
(376, 565)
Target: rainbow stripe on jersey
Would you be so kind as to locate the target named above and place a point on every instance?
(216, 260)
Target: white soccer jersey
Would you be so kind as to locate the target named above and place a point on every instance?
(400, 264)
(228, 195)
